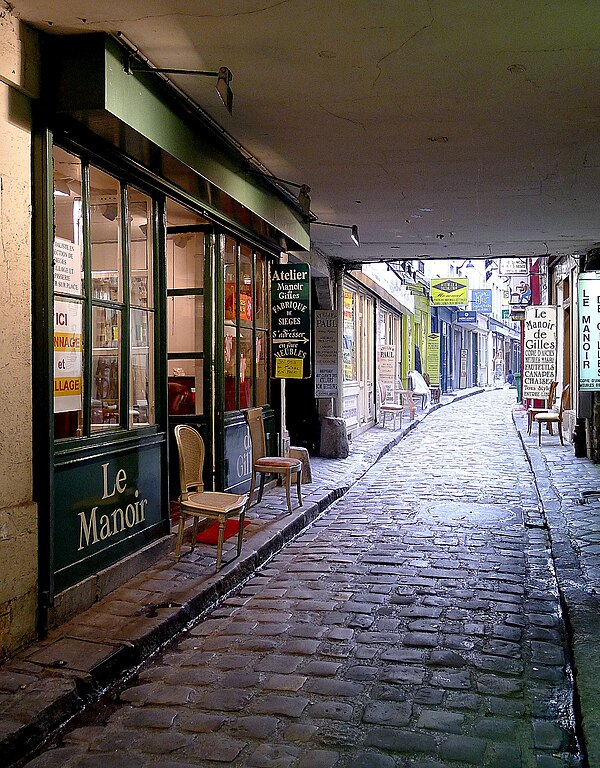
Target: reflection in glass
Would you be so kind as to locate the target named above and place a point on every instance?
(230, 366)
(68, 224)
(246, 293)
(140, 244)
(186, 323)
(261, 291)
(105, 234)
(185, 387)
(185, 260)
(106, 374)
(261, 395)
(230, 275)
(141, 393)
(246, 368)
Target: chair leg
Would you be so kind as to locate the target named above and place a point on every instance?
(261, 487)
(179, 536)
(299, 486)
(529, 423)
(241, 533)
(252, 486)
(194, 532)
(220, 542)
(560, 434)
(539, 433)
(288, 482)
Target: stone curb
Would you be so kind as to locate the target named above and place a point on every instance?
(75, 690)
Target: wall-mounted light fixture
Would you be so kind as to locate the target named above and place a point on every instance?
(467, 264)
(354, 234)
(303, 194)
(223, 75)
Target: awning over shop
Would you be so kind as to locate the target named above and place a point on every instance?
(136, 113)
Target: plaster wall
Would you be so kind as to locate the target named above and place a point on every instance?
(18, 513)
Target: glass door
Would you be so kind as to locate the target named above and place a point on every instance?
(190, 337)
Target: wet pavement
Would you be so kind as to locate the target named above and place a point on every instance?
(427, 618)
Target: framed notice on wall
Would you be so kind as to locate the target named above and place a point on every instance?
(290, 321)
(326, 353)
(539, 351)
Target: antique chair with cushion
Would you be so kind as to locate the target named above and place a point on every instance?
(553, 417)
(532, 410)
(195, 501)
(282, 466)
(393, 409)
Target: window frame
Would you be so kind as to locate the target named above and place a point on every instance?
(124, 429)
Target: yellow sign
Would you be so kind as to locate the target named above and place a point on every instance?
(288, 368)
(450, 291)
(433, 357)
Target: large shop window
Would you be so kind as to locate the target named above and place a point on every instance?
(104, 315)
(245, 326)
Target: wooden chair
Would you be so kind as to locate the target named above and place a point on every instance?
(553, 417)
(281, 466)
(198, 503)
(393, 409)
(434, 389)
(532, 411)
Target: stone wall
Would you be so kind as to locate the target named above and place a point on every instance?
(19, 73)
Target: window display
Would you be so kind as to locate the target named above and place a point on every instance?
(96, 256)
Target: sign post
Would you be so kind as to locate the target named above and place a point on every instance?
(290, 321)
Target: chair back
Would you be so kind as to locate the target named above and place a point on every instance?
(564, 399)
(382, 393)
(190, 448)
(257, 433)
(551, 394)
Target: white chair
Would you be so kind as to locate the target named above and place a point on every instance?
(198, 503)
(553, 417)
(392, 409)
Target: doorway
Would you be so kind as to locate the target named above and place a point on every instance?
(189, 254)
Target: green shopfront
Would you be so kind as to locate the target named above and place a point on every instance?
(154, 244)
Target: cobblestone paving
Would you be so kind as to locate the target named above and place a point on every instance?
(416, 623)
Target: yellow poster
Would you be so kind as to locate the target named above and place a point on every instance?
(450, 291)
(433, 357)
(288, 368)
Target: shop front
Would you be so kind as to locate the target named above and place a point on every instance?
(153, 252)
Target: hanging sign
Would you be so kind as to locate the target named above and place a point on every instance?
(513, 266)
(466, 316)
(589, 331)
(520, 291)
(326, 353)
(68, 365)
(433, 358)
(539, 351)
(449, 291)
(481, 300)
(290, 321)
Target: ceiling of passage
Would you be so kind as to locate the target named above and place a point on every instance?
(441, 128)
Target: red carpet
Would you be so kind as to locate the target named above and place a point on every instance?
(210, 535)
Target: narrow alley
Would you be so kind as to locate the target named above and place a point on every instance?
(415, 623)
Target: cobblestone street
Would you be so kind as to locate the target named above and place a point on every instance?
(416, 623)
